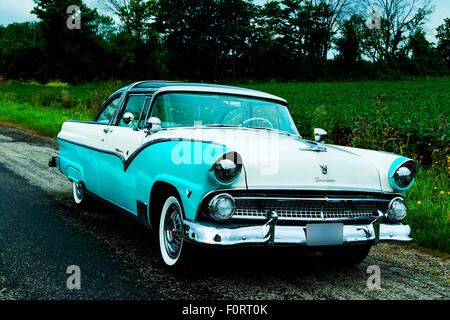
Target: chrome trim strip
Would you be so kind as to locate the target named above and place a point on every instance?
(129, 160)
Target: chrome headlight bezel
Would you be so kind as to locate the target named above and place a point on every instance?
(390, 211)
(227, 168)
(214, 204)
(403, 174)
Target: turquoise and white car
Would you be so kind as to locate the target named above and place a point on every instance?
(225, 166)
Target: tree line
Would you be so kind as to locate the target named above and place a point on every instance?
(225, 40)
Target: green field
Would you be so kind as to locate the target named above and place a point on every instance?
(406, 117)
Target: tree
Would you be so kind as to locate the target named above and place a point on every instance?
(421, 53)
(235, 28)
(338, 10)
(348, 44)
(298, 29)
(20, 53)
(69, 55)
(443, 45)
(136, 16)
(398, 17)
(202, 37)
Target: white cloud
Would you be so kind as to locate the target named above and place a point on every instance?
(16, 11)
(441, 11)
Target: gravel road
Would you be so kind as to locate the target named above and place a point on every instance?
(42, 233)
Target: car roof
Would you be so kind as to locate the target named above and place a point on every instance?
(151, 86)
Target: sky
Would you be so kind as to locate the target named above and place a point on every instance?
(19, 11)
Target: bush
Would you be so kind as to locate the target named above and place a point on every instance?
(46, 98)
(377, 133)
(57, 84)
(98, 95)
(67, 101)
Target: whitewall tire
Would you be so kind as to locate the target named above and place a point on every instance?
(80, 196)
(170, 231)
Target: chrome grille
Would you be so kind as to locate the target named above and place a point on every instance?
(307, 209)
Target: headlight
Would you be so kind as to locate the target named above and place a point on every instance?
(227, 167)
(403, 176)
(397, 209)
(222, 207)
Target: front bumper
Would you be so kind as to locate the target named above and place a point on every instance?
(208, 233)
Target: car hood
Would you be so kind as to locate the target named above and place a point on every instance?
(278, 161)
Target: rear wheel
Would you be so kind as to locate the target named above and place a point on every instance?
(174, 250)
(346, 256)
(79, 193)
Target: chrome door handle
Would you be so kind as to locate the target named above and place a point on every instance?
(107, 130)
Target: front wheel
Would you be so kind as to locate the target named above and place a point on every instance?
(346, 256)
(173, 248)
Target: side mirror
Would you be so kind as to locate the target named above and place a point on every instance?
(319, 135)
(153, 124)
(127, 118)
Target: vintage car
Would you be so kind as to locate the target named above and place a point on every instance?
(225, 166)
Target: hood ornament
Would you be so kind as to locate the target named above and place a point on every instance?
(324, 168)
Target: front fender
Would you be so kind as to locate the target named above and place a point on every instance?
(178, 163)
(383, 161)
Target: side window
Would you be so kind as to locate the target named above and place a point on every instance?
(108, 112)
(134, 104)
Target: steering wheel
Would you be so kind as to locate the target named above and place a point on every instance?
(258, 119)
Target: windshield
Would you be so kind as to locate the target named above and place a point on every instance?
(193, 109)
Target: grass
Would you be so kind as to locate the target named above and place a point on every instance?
(406, 117)
(45, 120)
(428, 209)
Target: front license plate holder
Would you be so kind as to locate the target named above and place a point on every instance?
(324, 234)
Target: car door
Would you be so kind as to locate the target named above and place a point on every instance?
(121, 140)
(88, 136)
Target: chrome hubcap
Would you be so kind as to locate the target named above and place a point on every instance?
(173, 231)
